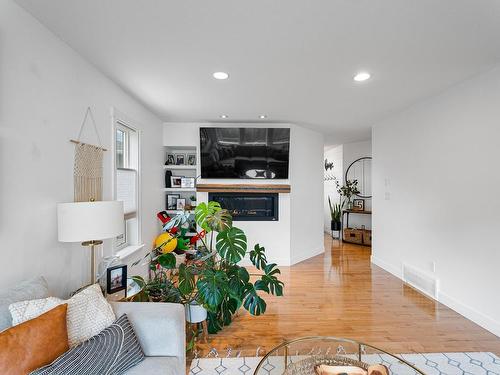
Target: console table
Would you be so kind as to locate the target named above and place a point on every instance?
(346, 213)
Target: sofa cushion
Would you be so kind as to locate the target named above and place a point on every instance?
(158, 366)
(26, 290)
(35, 343)
(113, 351)
(88, 313)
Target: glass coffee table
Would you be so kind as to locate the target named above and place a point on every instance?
(300, 356)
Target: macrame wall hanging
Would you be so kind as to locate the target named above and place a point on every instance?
(88, 166)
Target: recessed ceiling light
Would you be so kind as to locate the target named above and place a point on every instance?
(221, 75)
(223, 116)
(362, 76)
(262, 117)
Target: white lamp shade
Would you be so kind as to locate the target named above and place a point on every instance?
(87, 221)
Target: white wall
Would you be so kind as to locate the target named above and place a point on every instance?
(333, 155)
(435, 182)
(298, 206)
(45, 87)
(306, 197)
(352, 152)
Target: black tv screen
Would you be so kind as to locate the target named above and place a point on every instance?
(258, 153)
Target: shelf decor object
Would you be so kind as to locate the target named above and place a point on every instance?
(89, 223)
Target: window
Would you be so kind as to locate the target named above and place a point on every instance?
(127, 182)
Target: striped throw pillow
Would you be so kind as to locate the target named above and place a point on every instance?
(113, 351)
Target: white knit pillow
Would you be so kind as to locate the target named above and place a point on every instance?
(88, 313)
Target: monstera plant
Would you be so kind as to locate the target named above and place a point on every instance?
(214, 278)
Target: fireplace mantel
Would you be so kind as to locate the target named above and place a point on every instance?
(246, 188)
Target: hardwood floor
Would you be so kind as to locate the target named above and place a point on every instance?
(340, 293)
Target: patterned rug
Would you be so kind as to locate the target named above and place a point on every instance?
(429, 363)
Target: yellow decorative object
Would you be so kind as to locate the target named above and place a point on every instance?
(170, 242)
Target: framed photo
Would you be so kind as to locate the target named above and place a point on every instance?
(181, 203)
(170, 159)
(358, 204)
(187, 182)
(116, 279)
(191, 159)
(176, 181)
(180, 159)
(172, 201)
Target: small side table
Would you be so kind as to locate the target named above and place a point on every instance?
(347, 213)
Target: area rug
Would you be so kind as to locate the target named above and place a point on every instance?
(429, 363)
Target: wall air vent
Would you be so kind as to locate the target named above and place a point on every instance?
(421, 281)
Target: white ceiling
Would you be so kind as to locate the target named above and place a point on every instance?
(292, 60)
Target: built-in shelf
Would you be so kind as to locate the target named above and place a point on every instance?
(179, 167)
(179, 189)
(247, 188)
(174, 212)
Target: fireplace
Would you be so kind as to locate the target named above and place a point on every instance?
(249, 206)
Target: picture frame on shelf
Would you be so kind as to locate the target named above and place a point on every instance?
(181, 204)
(358, 204)
(187, 182)
(116, 279)
(170, 159)
(191, 159)
(172, 201)
(175, 181)
(180, 159)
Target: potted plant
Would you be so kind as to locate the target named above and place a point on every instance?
(347, 191)
(192, 200)
(335, 214)
(212, 280)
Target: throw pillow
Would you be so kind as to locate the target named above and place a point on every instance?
(34, 343)
(88, 313)
(113, 351)
(29, 289)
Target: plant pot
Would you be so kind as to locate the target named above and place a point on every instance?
(195, 313)
(335, 225)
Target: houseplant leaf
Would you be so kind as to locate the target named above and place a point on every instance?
(231, 244)
(238, 279)
(167, 260)
(258, 257)
(212, 286)
(214, 323)
(220, 220)
(186, 280)
(274, 286)
(253, 303)
(203, 211)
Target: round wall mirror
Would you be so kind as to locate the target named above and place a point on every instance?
(361, 170)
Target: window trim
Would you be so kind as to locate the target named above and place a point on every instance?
(119, 120)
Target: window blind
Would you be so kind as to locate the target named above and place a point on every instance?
(126, 189)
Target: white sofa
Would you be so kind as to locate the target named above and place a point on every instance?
(160, 328)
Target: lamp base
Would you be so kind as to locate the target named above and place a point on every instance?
(92, 245)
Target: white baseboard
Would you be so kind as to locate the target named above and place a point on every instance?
(387, 266)
(320, 249)
(468, 312)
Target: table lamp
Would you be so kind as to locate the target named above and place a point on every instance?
(90, 223)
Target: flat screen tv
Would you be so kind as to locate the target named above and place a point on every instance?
(257, 153)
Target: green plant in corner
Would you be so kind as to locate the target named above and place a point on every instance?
(335, 211)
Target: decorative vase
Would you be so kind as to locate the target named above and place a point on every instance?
(349, 205)
(335, 225)
(195, 313)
